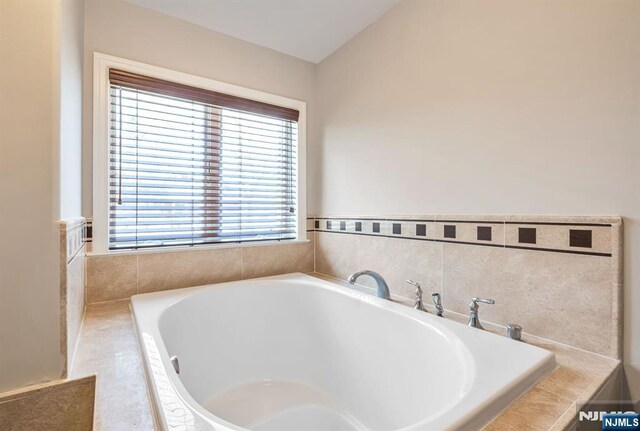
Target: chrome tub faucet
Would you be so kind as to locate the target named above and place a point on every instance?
(382, 290)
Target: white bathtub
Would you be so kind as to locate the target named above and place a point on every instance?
(296, 353)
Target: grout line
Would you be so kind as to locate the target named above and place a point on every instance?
(75, 350)
(241, 264)
(504, 234)
(315, 246)
(137, 275)
(76, 254)
(442, 272)
(108, 301)
(357, 254)
(562, 415)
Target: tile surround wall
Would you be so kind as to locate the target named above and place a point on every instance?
(119, 276)
(72, 275)
(557, 276)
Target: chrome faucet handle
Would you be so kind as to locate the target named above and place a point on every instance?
(474, 320)
(437, 301)
(418, 305)
(474, 302)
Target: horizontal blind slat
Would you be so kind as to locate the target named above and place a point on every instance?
(167, 127)
(179, 157)
(184, 172)
(139, 245)
(188, 119)
(127, 181)
(230, 150)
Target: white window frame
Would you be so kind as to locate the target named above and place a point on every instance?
(101, 65)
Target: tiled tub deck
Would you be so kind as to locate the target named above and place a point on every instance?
(108, 348)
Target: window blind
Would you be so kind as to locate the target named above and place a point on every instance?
(191, 166)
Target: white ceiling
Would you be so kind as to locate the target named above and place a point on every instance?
(307, 29)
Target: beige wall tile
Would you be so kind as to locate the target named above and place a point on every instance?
(608, 390)
(617, 251)
(617, 322)
(71, 237)
(336, 254)
(173, 270)
(400, 259)
(310, 225)
(74, 304)
(59, 405)
(262, 261)
(111, 277)
(71, 264)
(563, 297)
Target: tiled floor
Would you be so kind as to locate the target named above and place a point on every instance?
(108, 348)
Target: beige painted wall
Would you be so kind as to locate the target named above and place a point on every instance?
(29, 144)
(529, 107)
(119, 28)
(71, 64)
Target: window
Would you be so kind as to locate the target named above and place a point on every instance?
(190, 166)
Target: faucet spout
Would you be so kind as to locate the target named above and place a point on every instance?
(382, 290)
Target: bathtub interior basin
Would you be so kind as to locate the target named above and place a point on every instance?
(298, 353)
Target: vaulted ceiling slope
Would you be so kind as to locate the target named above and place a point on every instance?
(307, 29)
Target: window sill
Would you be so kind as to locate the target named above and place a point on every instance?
(178, 249)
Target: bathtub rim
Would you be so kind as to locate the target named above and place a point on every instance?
(151, 306)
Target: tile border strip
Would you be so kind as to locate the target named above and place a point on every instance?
(88, 230)
(550, 233)
(396, 227)
(72, 237)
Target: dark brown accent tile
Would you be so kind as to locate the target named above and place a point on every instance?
(421, 230)
(397, 228)
(580, 238)
(328, 224)
(449, 231)
(484, 233)
(527, 235)
(358, 226)
(317, 224)
(376, 227)
(343, 225)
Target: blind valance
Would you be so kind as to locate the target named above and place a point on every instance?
(174, 89)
